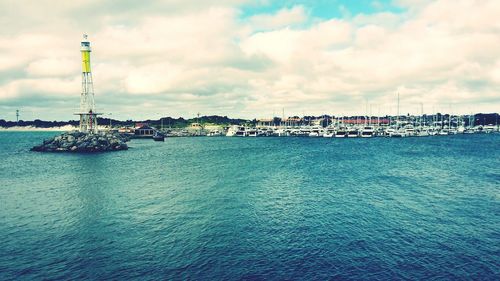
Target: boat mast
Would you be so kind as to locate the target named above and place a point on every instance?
(421, 114)
(397, 117)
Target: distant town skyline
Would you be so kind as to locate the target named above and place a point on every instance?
(250, 59)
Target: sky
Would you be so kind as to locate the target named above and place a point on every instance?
(250, 59)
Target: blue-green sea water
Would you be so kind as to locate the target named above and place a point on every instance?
(253, 209)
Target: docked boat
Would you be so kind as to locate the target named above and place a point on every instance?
(400, 133)
(489, 129)
(388, 132)
(279, 132)
(443, 132)
(422, 133)
(264, 132)
(341, 133)
(316, 131)
(158, 136)
(409, 131)
(352, 133)
(236, 131)
(214, 133)
(328, 135)
(367, 132)
(251, 132)
(329, 132)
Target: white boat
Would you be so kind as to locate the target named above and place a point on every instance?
(432, 131)
(214, 133)
(367, 132)
(489, 129)
(279, 133)
(313, 134)
(251, 132)
(389, 131)
(329, 132)
(316, 131)
(341, 133)
(443, 132)
(352, 133)
(422, 133)
(409, 131)
(304, 131)
(236, 131)
(328, 135)
(400, 133)
(264, 132)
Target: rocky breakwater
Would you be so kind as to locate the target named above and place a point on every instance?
(84, 143)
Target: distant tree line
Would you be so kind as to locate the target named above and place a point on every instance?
(37, 123)
(167, 122)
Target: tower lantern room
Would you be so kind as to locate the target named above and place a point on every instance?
(88, 116)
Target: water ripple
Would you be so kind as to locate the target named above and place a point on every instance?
(253, 209)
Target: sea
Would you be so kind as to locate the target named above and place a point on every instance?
(219, 208)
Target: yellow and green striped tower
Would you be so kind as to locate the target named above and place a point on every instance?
(88, 116)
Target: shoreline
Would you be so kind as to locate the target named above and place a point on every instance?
(38, 129)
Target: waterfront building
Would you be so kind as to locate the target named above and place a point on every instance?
(265, 122)
(144, 131)
(292, 121)
(196, 126)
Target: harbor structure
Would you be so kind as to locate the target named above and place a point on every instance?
(144, 131)
(88, 116)
(88, 139)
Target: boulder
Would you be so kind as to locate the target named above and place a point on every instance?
(83, 143)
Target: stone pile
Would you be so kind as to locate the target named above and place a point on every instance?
(84, 143)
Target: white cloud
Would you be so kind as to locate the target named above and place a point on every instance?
(52, 67)
(278, 45)
(282, 18)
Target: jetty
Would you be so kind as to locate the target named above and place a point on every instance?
(88, 138)
(83, 143)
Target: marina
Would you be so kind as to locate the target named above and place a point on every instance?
(365, 128)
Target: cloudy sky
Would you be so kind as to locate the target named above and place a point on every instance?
(250, 58)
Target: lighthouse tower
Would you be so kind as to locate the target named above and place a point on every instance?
(88, 116)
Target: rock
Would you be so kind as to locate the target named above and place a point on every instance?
(83, 143)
